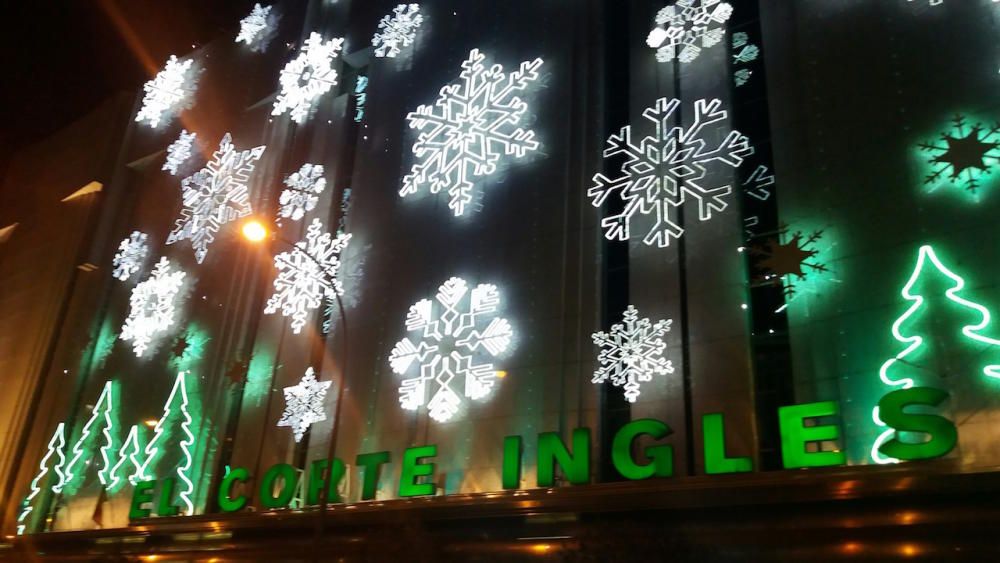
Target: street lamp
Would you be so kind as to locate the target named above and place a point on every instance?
(256, 231)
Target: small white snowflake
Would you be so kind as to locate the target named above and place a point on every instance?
(663, 170)
(449, 341)
(302, 195)
(179, 151)
(131, 255)
(398, 29)
(744, 53)
(307, 77)
(255, 25)
(152, 306)
(167, 92)
(632, 353)
(471, 126)
(215, 196)
(307, 275)
(691, 25)
(304, 404)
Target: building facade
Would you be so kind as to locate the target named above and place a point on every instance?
(436, 271)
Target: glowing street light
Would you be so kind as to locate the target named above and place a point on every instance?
(254, 231)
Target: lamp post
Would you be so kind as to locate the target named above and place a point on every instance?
(255, 231)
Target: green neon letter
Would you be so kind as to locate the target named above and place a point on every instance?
(943, 435)
(371, 462)
(512, 462)
(662, 456)
(142, 494)
(713, 432)
(226, 503)
(289, 479)
(551, 450)
(164, 507)
(413, 470)
(795, 435)
(317, 480)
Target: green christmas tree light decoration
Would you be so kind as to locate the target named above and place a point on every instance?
(130, 461)
(898, 371)
(177, 406)
(56, 447)
(104, 416)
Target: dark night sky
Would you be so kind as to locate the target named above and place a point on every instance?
(61, 58)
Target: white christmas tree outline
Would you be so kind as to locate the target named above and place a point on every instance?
(104, 408)
(632, 353)
(152, 306)
(397, 30)
(215, 196)
(302, 193)
(56, 445)
(254, 26)
(449, 341)
(471, 126)
(129, 454)
(153, 453)
(304, 404)
(179, 151)
(131, 255)
(684, 155)
(692, 25)
(925, 254)
(307, 275)
(167, 92)
(307, 77)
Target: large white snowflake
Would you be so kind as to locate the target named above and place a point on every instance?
(215, 195)
(448, 344)
(307, 77)
(304, 404)
(167, 92)
(302, 194)
(254, 26)
(632, 353)
(131, 255)
(690, 25)
(471, 126)
(307, 275)
(396, 30)
(152, 306)
(179, 151)
(664, 169)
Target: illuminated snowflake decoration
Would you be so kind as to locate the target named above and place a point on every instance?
(632, 353)
(307, 77)
(662, 171)
(964, 155)
(688, 25)
(744, 53)
(448, 344)
(254, 27)
(307, 275)
(214, 196)
(470, 127)
(131, 256)
(760, 183)
(304, 404)
(397, 30)
(169, 91)
(302, 194)
(152, 306)
(179, 152)
(782, 264)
